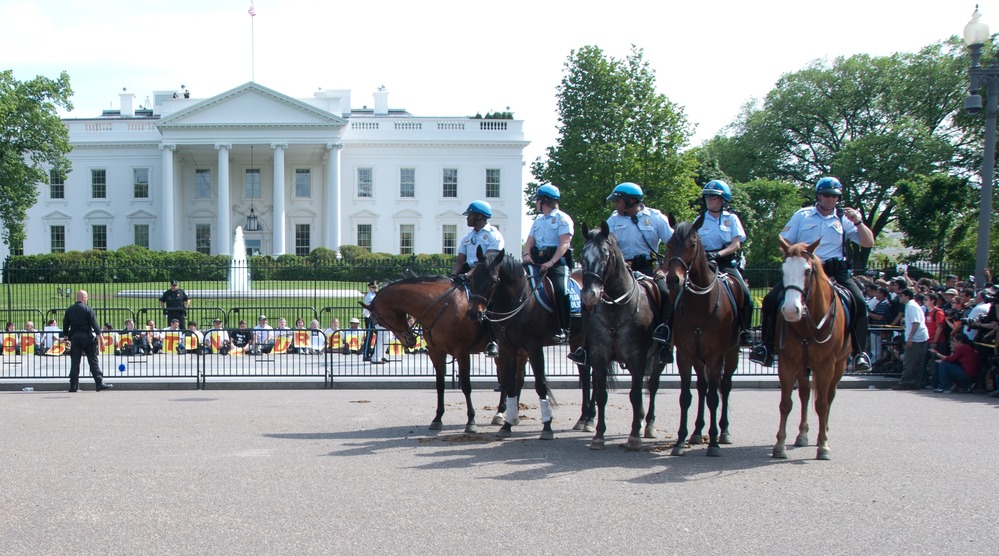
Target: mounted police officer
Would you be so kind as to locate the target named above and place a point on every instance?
(722, 235)
(639, 230)
(834, 226)
(483, 235)
(547, 247)
(79, 326)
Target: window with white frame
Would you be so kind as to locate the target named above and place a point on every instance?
(364, 236)
(303, 183)
(253, 183)
(492, 182)
(202, 183)
(98, 183)
(99, 237)
(203, 238)
(140, 183)
(141, 235)
(365, 182)
(57, 185)
(407, 183)
(303, 240)
(407, 237)
(57, 239)
(449, 239)
(449, 183)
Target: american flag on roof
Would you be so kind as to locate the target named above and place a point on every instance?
(252, 11)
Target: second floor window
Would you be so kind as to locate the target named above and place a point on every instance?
(140, 183)
(303, 183)
(492, 182)
(202, 184)
(99, 184)
(57, 186)
(450, 183)
(407, 183)
(365, 182)
(253, 183)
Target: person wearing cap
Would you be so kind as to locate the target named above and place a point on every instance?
(547, 248)
(175, 302)
(834, 226)
(369, 323)
(353, 330)
(263, 336)
(217, 339)
(483, 235)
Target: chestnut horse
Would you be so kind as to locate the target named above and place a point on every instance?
(621, 314)
(503, 295)
(706, 333)
(440, 306)
(805, 344)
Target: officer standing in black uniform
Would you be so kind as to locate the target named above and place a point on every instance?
(176, 301)
(79, 326)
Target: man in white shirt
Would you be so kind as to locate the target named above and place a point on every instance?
(980, 309)
(263, 336)
(916, 337)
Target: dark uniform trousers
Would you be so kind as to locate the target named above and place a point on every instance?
(84, 343)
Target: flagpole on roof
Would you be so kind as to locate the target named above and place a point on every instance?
(253, 61)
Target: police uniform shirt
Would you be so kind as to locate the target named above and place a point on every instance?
(489, 238)
(716, 233)
(808, 225)
(642, 236)
(80, 318)
(546, 229)
(174, 299)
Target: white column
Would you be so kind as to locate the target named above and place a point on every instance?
(222, 234)
(167, 237)
(279, 216)
(332, 216)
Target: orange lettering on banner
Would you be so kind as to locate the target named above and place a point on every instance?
(107, 344)
(216, 341)
(281, 344)
(9, 344)
(58, 348)
(124, 342)
(302, 339)
(354, 342)
(171, 341)
(334, 342)
(28, 344)
(191, 342)
(395, 347)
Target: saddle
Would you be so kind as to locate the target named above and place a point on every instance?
(543, 290)
(851, 305)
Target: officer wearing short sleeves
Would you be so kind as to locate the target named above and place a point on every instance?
(483, 235)
(722, 235)
(547, 246)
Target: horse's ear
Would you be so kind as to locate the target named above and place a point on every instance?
(604, 228)
(671, 219)
(784, 245)
(814, 245)
(479, 253)
(586, 230)
(496, 260)
(697, 223)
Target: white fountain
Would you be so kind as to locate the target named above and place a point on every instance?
(239, 270)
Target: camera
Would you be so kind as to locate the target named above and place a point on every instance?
(973, 105)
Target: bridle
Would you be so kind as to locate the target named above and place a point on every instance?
(688, 285)
(495, 316)
(806, 295)
(624, 298)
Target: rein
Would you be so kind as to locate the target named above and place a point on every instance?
(689, 286)
(496, 316)
(624, 298)
(812, 326)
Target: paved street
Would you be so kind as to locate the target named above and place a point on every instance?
(356, 471)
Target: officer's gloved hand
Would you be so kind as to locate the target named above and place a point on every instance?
(712, 255)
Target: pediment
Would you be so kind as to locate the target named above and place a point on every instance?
(140, 214)
(98, 214)
(56, 215)
(365, 214)
(250, 106)
(407, 214)
(449, 214)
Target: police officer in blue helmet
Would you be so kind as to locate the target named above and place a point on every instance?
(834, 226)
(547, 248)
(722, 235)
(483, 235)
(640, 230)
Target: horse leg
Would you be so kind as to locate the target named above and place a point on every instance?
(685, 397)
(541, 387)
(786, 385)
(697, 437)
(465, 379)
(588, 410)
(507, 364)
(714, 450)
(656, 371)
(437, 359)
(731, 362)
(824, 392)
(600, 401)
(637, 405)
(499, 419)
(804, 392)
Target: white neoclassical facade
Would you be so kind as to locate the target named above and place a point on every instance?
(183, 173)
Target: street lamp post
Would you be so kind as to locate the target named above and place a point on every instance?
(976, 32)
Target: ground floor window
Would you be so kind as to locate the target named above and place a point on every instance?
(203, 238)
(303, 240)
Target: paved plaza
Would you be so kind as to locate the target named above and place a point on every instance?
(357, 472)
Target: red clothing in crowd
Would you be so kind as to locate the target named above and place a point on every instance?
(966, 357)
(934, 319)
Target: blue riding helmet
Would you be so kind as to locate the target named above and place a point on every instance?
(626, 189)
(480, 207)
(717, 187)
(549, 191)
(829, 186)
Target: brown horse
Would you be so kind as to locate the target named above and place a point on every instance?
(806, 345)
(706, 334)
(440, 306)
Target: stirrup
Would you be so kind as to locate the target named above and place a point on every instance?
(861, 363)
(760, 354)
(561, 337)
(578, 356)
(491, 350)
(666, 354)
(661, 334)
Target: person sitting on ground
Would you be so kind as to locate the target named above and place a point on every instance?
(331, 331)
(217, 339)
(154, 336)
(11, 340)
(29, 331)
(263, 336)
(959, 370)
(317, 339)
(108, 338)
(282, 331)
(199, 337)
(241, 338)
(50, 334)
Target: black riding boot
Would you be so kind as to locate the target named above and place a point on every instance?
(763, 352)
(861, 362)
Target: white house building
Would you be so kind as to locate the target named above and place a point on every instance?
(295, 173)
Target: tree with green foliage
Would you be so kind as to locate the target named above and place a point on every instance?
(614, 127)
(33, 140)
(870, 121)
(764, 207)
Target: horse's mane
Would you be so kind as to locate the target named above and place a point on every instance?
(420, 280)
(801, 250)
(682, 232)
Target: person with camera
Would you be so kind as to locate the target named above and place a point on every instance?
(547, 248)
(959, 370)
(834, 226)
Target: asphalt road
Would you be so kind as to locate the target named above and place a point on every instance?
(357, 472)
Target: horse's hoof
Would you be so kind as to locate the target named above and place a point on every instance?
(471, 428)
(696, 439)
(547, 435)
(597, 444)
(725, 438)
(801, 441)
(677, 451)
(714, 451)
(650, 432)
(504, 432)
(634, 443)
(579, 424)
(499, 420)
(436, 426)
(590, 426)
(823, 454)
(779, 453)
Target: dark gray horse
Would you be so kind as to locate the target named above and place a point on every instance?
(621, 314)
